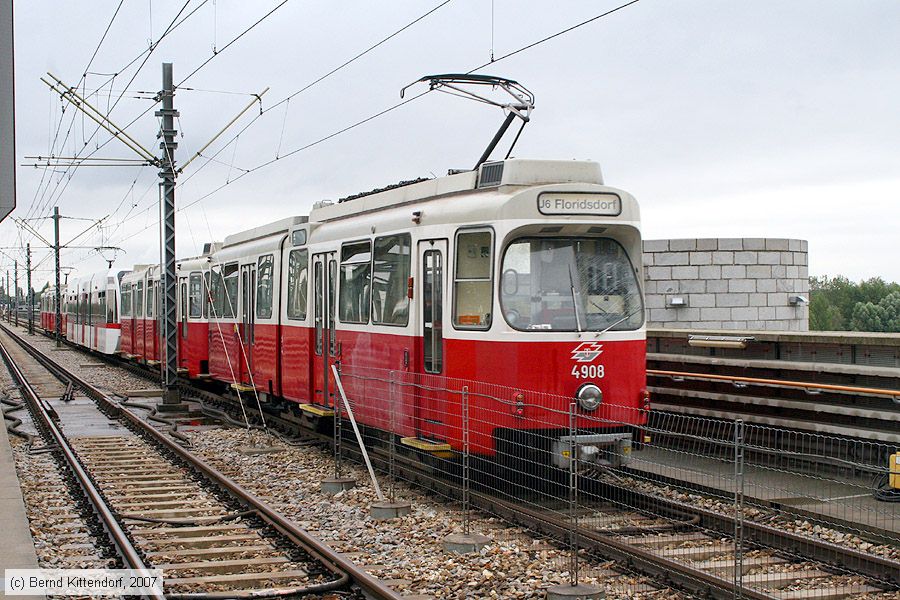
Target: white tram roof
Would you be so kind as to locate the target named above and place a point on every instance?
(501, 179)
(280, 226)
(140, 272)
(94, 281)
(511, 172)
(200, 262)
(490, 176)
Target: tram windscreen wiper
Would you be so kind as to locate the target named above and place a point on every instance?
(574, 300)
(623, 319)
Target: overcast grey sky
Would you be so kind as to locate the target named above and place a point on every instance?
(724, 119)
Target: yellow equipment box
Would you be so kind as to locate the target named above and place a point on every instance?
(894, 478)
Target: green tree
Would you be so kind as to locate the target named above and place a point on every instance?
(883, 316)
(834, 300)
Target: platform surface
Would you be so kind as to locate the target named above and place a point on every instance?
(849, 501)
(17, 549)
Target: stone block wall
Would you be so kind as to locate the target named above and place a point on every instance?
(727, 283)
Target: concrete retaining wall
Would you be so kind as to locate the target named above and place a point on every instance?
(727, 283)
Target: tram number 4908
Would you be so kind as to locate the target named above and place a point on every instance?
(588, 371)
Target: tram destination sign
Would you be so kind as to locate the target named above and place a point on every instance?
(573, 203)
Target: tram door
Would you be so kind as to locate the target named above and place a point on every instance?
(248, 321)
(324, 348)
(432, 407)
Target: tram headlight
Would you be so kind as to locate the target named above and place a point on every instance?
(589, 397)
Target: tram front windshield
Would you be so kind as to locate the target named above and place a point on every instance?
(569, 284)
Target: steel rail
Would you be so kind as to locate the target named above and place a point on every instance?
(335, 561)
(644, 561)
(776, 382)
(126, 549)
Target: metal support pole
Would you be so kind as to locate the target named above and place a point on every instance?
(30, 293)
(465, 473)
(336, 404)
(16, 291)
(738, 508)
(359, 439)
(167, 235)
(58, 323)
(6, 291)
(573, 497)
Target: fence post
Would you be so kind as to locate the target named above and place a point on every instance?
(392, 404)
(465, 469)
(738, 508)
(573, 497)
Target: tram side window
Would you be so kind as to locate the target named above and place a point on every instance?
(264, 284)
(217, 293)
(332, 283)
(298, 284)
(196, 295)
(472, 297)
(111, 315)
(99, 308)
(183, 309)
(225, 290)
(356, 271)
(432, 311)
(152, 286)
(85, 308)
(206, 300)
(139, 299)
(126, 300)
(319, 282)
(390, 277)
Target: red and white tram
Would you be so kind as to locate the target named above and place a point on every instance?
(48, 311)
(140, 323)
(92, 311)
(524, 274)
(246, 346)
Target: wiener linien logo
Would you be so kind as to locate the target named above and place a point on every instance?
(587, 352)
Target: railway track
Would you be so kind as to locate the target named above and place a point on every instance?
(165, 509)
(680, 545)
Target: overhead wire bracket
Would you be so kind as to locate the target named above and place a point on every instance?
(521, 105)
(256, 98)
(69, 94)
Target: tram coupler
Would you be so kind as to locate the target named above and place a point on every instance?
(603, 449)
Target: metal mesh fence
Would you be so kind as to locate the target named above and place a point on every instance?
(608, 496)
